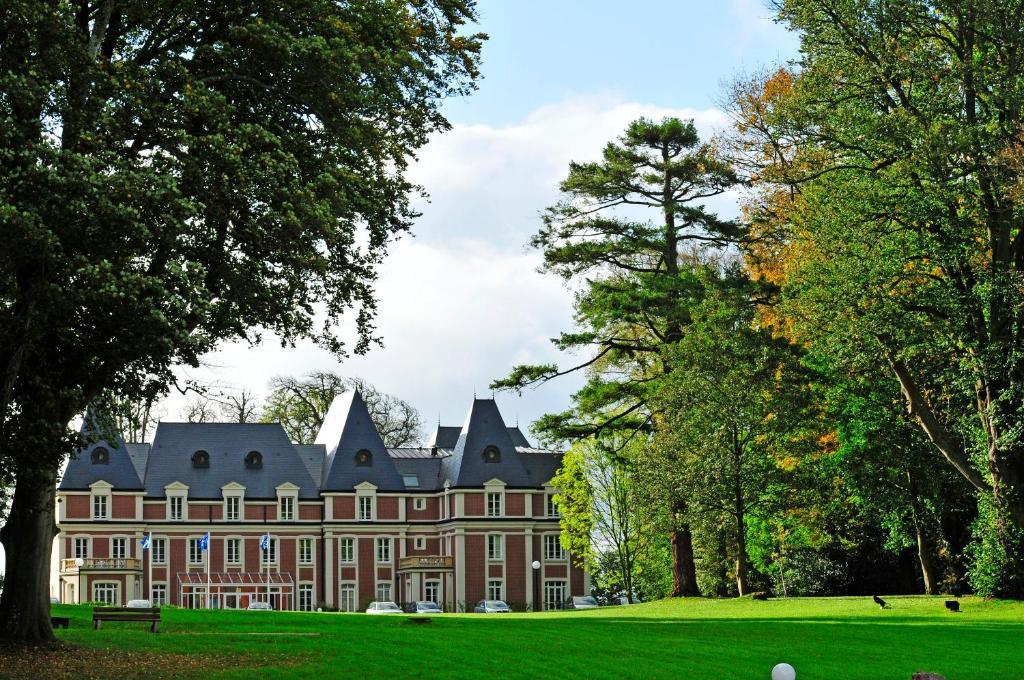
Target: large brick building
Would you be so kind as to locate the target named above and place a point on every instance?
(465, 518)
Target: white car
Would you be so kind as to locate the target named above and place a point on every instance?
(383, 608)
(138, 604)
(260, 606)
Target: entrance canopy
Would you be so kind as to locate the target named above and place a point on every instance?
(235, 578)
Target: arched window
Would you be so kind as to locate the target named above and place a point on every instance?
(364, 457)
(100, 456)
(200, 459)
(492, 455)
(254, 460)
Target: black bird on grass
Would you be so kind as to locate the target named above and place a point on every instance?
(953, 606)
(880, 602)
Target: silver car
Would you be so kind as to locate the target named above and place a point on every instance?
(491, 607)
(426, 607)
(582, 602)
(383, 608)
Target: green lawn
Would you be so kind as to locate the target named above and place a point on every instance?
(831, 638)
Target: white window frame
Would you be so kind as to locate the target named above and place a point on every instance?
(269, 556)
(382, 596)
(286, 508)
(420, 543)
(491, 499)
(304, 589)
(232, 508)
(123, 542)
(432, 584)
(86, 542)
(495, 547)
(177, 490)
(500, 584)
(351, 542)
(100, 501)
(178, 501)
(163, 550)
(162, 599)
(370, 503)
(551, 585)
(107, 586)
(192, 548)
(303, 559)
(550, 509)
(345, 589)
(419, 504)
(233, 540)
(553, 554)
(383, 549)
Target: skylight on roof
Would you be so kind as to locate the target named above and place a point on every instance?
(410, 480)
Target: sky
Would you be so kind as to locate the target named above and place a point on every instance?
(461, 301)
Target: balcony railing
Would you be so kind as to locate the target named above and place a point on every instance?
(123, 563)
(426, 562)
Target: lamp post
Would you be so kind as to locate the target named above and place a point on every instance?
(537, 604)
(78, 563)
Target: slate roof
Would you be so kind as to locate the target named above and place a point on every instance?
(348, 429)
(484, 428)
(453, 454)
(118, 471)
(445, 437)
(170, 459)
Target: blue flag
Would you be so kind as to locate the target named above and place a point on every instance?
(265, 541)
(204, 542)
(146, 540)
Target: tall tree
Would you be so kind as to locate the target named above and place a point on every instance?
(738, 415)
(177, 173)
(898, 138)
(300, 405)
(605, 523)
(634, 281)
(240, 406)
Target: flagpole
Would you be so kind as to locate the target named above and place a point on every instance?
(149, 555)
(267, 563)
(208, 551)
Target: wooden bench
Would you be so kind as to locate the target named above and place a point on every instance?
(419, 619)
(151, 614)
(60, 621)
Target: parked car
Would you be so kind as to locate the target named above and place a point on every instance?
(259, 606)
(581, 602)
(138, 604)
(54, 600)
(383, 608)
(424, 607)
(491, 607)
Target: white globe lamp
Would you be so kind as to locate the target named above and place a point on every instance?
(536, 564)
(783, 671)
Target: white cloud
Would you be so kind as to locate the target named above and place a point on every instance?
(462, 302)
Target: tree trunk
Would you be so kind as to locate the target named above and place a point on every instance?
(28, 542)
(684, 570)
(741, 554)
(927, 554)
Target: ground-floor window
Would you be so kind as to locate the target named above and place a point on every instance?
(195, 598)
(305, 597)
(554, 594)
(432, 591)
(159, 597)
(383, 592)
(347, 602)
(495, 590)
(107, 593)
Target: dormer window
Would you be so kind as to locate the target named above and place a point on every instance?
(254, 460)
(100, 456)
(364, 457)
(492, 455)
(200, 459)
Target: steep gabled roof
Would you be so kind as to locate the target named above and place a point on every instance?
(484, 428)
(517, 437)
(445, 437)
(313, 456)
(347, 430)
(118, 470)
(228, 444)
